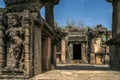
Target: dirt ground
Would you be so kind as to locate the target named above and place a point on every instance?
(79, 72)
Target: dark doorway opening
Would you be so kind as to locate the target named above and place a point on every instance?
(77, 53)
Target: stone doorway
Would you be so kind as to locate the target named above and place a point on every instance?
(77, 52)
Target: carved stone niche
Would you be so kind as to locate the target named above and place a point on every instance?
(15, 55)
(15, 34)
(15, 46)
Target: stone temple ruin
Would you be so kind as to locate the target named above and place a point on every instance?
(84, 45)
(27, 41)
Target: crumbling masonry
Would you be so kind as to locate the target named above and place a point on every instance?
(84, 45)
(27, 41)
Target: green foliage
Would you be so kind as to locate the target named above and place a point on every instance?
(104, 37)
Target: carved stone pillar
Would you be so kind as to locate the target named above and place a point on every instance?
(49, 53)
(84, 57)
(37, 50)
(63, 50)
(115, 48)
(27, 42)
(116, 18)
(49, 15)
(54, 59)
(2, 42)
(53, 54)
(49, 11)
(46, 53)
(70, 52)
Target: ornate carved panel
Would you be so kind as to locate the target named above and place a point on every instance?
(15, 43)
(77, 38)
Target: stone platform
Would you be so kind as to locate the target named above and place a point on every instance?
(79, 72)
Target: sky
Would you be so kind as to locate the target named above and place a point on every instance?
(90, 12)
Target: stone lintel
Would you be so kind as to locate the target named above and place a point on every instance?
(109, 0)
(18, 2)
(20, 5)
(54, 2)
(40, 22)
(10, 3)
(114, 41)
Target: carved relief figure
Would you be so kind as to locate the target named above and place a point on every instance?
(97, 45)
(15, 45)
